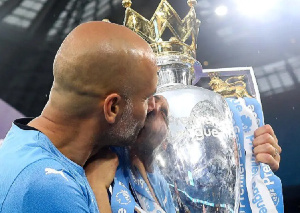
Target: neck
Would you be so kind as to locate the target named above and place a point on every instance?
(73, 137)
(140, 164)
(145, 157)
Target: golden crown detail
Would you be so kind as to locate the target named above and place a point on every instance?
(165, 17)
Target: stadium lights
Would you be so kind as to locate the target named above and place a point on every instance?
(221, 10)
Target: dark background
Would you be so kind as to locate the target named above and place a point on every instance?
(32, 30)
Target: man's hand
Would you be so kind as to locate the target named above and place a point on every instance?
(266, 148)
(100, 171)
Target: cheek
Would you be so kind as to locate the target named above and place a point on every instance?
(159, 129)
(163, 133)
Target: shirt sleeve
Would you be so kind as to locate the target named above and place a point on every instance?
(40, 188)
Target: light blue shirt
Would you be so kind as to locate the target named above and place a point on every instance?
(36, 177)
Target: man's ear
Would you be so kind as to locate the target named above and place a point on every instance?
(111, 107)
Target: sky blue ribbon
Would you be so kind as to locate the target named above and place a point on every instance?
(272, 182)
(238, 127)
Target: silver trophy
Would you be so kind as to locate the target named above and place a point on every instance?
(200, 162)
(199, 159)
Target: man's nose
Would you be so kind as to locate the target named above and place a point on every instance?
(151, 104)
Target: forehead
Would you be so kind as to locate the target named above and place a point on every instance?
(144, 73)
(149, 81)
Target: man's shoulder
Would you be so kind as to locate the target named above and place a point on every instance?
(44, 168)
(45, 179)
(24, 152)
(19, 157)
(30, 174)
(45, 174)
(34, 177)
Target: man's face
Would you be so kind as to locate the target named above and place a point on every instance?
(156, 126)
(137, 105)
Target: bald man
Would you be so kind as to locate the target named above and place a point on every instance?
(104, 79)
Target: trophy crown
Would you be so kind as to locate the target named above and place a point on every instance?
(166, 17)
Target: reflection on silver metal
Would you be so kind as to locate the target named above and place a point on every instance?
(201, 159)
(200, 162)
(175, 69)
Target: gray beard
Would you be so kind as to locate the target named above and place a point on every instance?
(125, 131)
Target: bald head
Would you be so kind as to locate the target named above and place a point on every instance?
(97, 55)
(99, 58)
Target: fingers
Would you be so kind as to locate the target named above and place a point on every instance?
(264, 129)
(267, 139)
(265, 134)
(268, 159)
(266, 148)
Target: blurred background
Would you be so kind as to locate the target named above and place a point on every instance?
(264, 34)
